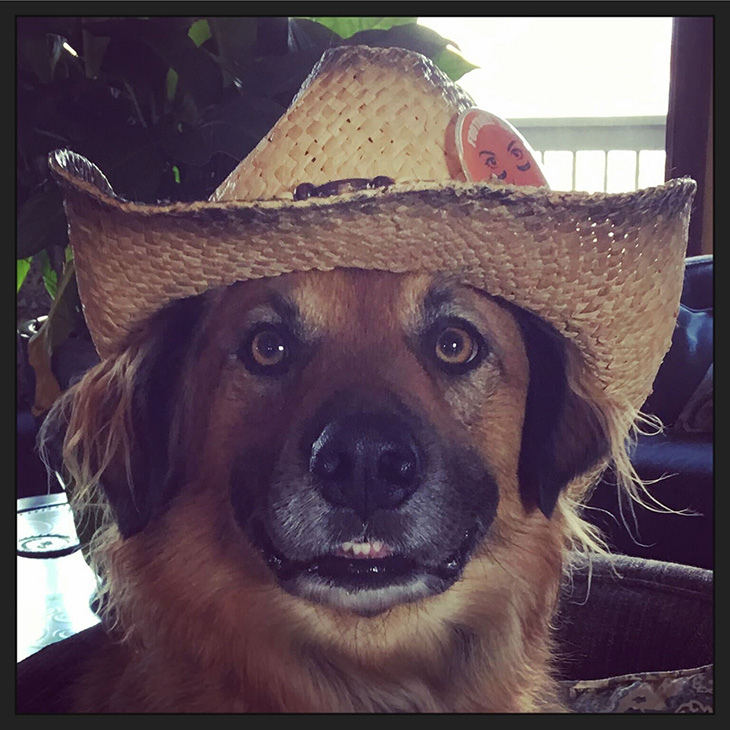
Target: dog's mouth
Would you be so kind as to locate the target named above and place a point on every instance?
(366, 577)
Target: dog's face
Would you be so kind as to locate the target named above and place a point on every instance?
(367, 435)
(381, 413)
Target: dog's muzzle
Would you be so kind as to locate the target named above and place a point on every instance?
(366, 507)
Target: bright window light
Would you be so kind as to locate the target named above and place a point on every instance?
(564, 67)
(589, 94)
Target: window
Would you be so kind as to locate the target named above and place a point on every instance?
(590, 95)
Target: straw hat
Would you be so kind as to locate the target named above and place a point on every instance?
(604, 269)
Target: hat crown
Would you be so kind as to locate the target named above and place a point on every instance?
(361, 113)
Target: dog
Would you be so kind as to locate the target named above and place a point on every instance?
(348, 408)
(342, 491)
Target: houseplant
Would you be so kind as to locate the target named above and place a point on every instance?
(166, 106)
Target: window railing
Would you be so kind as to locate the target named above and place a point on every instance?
(611, 154)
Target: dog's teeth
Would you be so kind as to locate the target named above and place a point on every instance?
(374, 549)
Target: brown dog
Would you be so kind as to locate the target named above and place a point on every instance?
(339, 491)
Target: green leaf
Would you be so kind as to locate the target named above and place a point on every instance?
(41, 223)
(50, 278)
(347, 27)
(171, 84)
(64, 314)
(199, 32)
(40, 54)
(142, 50)
(275, 76)
(198, 73)
(412, 37)
(235, 39)
(131, 158)
(63, 318)
(23, 269)
(306, 35)
(453, 64)
(234, 130)
(94, 50)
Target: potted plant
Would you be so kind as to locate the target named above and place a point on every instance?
(166, 107)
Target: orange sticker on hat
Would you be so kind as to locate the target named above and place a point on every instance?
(491, 147)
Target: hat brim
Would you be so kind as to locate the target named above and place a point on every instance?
(604, 269)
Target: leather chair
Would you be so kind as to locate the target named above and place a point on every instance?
(682, 456)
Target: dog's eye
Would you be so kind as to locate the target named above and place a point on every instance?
(266, 351)
(457, 347)
(268, 348)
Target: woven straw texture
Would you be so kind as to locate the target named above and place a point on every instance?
(362, 112)
(604, 269)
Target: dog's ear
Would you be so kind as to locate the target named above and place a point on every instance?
(158, 387)
(116, 423)
(561, 436)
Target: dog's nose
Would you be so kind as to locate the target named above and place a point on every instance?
(366, 461)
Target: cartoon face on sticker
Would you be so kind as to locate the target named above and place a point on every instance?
(490, 147)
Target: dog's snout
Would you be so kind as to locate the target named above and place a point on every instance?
(366, 462)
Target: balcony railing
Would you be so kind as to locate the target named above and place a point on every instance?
(611, 154)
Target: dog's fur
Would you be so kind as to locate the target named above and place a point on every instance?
(186, 451)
